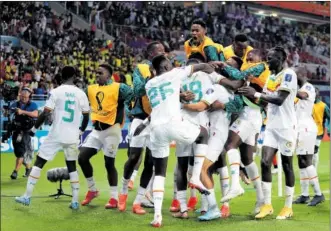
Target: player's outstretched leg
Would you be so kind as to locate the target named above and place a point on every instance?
(287, 163)
(112, 180)
(268, 154)
(207, 180)
(305, 163)
(32, 180)
(223, 171)
(87, 169)
(181, 185)
(135, 154)
(74, 181)
(175, 205)
(304, 181)
(252, 172)
(160, 165)
(193, 200)
(199, 156)
(231, 146)
(145, 178)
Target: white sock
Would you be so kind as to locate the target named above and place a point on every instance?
(91, 184)
(253, 174)
(225, 181)
(289, 192)
(304, 182)
(211, 199)
(181, 196)
(32, 180)
(140, 195)
(313, 179)
(134, 174)
(175, 182)
(125, 186)
(193, 191)
(266, 188)
(204, 203)
(199, 157)
(158, 193)
(234, 161)
(74, 181)
(113, 192)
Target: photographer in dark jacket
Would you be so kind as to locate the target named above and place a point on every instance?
(26, 113)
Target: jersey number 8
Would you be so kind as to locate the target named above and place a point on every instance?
(155, 91)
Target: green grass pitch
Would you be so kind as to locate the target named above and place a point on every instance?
(48, 214)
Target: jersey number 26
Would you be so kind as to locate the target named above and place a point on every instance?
(163, 90)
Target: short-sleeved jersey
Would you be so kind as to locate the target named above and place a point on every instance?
(284, 116)
(216, 118)
(67, 103)
(201, 84)
(163, 94)
(304, 109)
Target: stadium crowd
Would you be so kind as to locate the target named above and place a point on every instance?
(59, 43)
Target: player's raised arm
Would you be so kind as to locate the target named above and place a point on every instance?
(204, 67)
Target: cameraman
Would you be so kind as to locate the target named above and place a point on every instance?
(26, 112)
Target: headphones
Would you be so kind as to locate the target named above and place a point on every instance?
(28, 90)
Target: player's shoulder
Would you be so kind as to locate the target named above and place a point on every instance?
(290, 72)
(308, 86)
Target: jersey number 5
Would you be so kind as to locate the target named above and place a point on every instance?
(155, 91)
(69, 110)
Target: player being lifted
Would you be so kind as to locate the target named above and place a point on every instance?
(107, 100)
(67, 103)
(167, 124)
(280, 133)
(307, 133)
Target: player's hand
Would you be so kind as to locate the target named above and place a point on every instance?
(209, 68)
(247, 91)
(187, 96)
(139, 129)
(216, 106)
(217, 64)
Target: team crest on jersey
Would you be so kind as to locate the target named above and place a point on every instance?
(288, 77)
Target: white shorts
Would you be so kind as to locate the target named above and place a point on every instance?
(181, 131)
(49, 148)
(248, 125)
(282, 139)
(142, 140)
(306, 143)
(108, 140)
(216, 142)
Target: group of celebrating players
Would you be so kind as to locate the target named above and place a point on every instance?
(212, 107)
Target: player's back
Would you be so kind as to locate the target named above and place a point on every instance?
(68, 102)
(163, 94)
(304, 109)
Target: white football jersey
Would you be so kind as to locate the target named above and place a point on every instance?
(284, 116)
(304, 109)
(218, 119)
(67, 102)
(201, 84)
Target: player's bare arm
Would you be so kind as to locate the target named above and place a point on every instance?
(186, 96)
(86, 117)
(302, 95)
(274, 99)
(233, 85)
(204, 67)
(199, 107)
